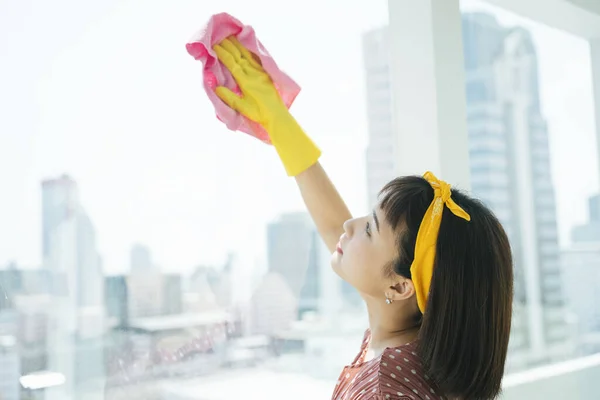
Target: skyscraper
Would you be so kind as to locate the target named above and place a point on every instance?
(589, 232)
(581, 276)
(141, 259)
(117, 300)
(70, 254)
(510, 171)
(581, 270)
(509, 167)
(67, 231)
(380, 150)
(273, 306)
(60, 200)
(294, 251)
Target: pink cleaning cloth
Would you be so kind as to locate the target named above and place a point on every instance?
(219, 27)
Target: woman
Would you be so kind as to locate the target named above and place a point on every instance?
(433, 265)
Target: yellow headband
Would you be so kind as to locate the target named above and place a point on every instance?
(422, 266)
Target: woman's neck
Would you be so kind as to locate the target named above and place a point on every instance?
(390, 326)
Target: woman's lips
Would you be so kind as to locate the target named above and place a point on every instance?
(339, 245)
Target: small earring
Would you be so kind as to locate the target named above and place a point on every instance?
(388, 300)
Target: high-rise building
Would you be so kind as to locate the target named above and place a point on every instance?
(581, 275)
(69, 248)
(77, 316)
(509, 167)
(510, 171)
(10, 360)
(32, 337)
(10, 370)
(294, 252)
(589, 232)
(25, 303)
(272, 306)
(221, 283)
(141, 259)
(10, 283)
(172, 303)
(90, 275)
(153, 294)
(60, 201)
(594, 208)
(200, 296)
(117, 300)
(149, 292)
(15, 280)
(380, 150)
(581, 280)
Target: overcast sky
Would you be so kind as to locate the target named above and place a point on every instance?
(106, 92)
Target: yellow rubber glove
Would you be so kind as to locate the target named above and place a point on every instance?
(261, 103)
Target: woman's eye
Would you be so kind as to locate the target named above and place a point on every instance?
(368, 229)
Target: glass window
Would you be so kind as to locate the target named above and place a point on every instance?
(147, 251)
(180, 258)
(548, 134)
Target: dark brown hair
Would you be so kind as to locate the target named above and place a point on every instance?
(465, 329)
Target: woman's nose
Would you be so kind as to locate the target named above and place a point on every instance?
(348, 227)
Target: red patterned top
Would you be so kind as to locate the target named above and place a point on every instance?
(394, 375)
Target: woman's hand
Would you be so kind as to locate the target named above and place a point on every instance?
(261, 103)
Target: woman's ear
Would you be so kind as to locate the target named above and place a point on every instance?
(401, 290)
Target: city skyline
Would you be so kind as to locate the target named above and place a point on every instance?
(163, 255)
(509, 166)
(179, 222)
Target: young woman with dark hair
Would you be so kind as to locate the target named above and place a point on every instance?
(432, 264)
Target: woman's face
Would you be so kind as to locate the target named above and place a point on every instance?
(366, 247)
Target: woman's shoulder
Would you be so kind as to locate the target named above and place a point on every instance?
(401, 374)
